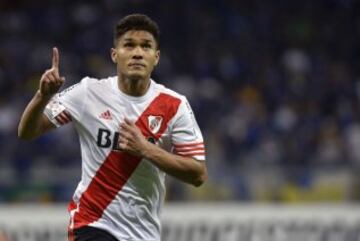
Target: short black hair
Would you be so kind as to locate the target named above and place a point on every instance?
(137, 22)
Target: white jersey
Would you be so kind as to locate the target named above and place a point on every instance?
(118, 192)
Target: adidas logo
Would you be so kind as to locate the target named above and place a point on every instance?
(106, 115)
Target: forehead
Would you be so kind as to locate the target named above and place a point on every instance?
(137, 35)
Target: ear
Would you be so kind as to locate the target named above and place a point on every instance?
(113, 54)
(157, 55)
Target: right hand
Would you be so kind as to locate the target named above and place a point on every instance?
(51, 81)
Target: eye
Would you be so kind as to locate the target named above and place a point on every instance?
(128, 45)
(146, 46)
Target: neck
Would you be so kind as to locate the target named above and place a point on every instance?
(133, 87)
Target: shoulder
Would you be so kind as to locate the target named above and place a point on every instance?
(169, 92)
(175, 101)
(87, 84)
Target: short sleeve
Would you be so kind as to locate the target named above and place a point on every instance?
(67, 105)
(186, 136)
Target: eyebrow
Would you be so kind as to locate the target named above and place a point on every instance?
(146, 40)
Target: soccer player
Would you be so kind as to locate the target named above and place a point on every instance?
(132, 131)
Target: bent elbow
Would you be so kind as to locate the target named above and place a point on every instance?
(21, 134)
(200, 180)
(201, 176)
(24, 135)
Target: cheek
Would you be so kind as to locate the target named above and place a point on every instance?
(121, 52)
(153, 59)
(121, 56)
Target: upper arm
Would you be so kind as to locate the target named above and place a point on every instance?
(186, 135)
(65, 106)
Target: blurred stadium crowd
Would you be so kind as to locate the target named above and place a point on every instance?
(275, 86)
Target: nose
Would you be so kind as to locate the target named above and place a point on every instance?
(138, 53)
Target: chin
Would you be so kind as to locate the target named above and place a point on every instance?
(136, 76)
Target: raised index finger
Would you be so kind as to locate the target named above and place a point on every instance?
(55, 58)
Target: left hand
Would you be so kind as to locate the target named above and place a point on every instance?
(131, 139)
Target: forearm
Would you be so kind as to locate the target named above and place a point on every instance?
(186, 169)
(30, 125)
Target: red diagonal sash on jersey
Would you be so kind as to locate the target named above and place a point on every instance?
(119, 166)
